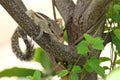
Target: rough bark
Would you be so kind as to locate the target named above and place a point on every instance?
(87, 16)
(66, 9)
(49, 45)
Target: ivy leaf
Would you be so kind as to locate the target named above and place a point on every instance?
(116, 7)
(98, 44)
(69, 67)
(110, 13)
(117, 33)
(73, 76)
(103, 59)
(116, 17)
(82, 48)
(116, 41)
(114, 13)
(88, 68)
(15, 71)
(76, 69)
(118, 62)
(93, 63)
(106, 68)
(37, 75)
(89, 38)
(63, 73)
(41, 57)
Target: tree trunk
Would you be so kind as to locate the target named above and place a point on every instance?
(87, 16)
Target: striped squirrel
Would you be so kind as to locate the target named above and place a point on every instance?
(46, 24)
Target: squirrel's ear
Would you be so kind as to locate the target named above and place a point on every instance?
(59, 20)
(30, 13)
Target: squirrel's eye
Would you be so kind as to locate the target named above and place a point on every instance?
(49, 24)
(52, 31)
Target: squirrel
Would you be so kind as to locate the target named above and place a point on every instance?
(46, 24)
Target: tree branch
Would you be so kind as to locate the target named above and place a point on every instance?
(20, 17)
(66, 8)
(88, 16)
(59, 51)
(80, 8)
(20, 3)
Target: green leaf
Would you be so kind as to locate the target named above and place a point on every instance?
(76, 69)
(104, 59)
(19, 72)
(114, 13)
(116, 17)
(27, 77)
(98, 44)
(106, 67)
(82, 48)
(116, 8)
(65, 36)
(37, 75)
(63, 73)
(117, 33)
(116, 41)
(118, 62)
(41, 57)
(114, 75)
(89, 38)
(69, 67)
(73, 76)
(88, 68)
(109, 14)
(93, 63)
(117, 1)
